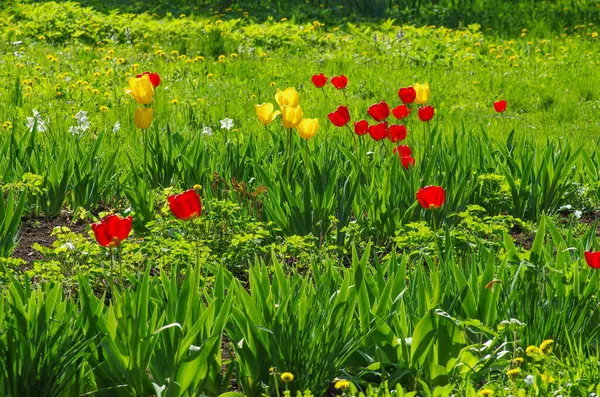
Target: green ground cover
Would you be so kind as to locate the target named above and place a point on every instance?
(313, 268)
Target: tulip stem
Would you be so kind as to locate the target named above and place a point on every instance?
(290, 155)
(112, 260)
(198, 253)
(307, 156)
(145, 138)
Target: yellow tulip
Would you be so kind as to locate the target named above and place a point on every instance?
(143, 117)
(422, 91)
(287, 97)
(141, 89)
(292, 116)
(308, 128)
(265, 113)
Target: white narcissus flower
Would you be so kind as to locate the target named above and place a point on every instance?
(36, 120)
(227, 124)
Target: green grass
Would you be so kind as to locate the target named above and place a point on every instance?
(312, 257)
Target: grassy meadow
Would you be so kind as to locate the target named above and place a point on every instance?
(303, 259)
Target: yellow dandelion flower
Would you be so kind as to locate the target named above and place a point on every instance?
(546, 346)
(104, 109)
(197, 187)
(182, 57)
(120, 61)
(287, 377)
(111, 52)
(7, 125)
(272, 84)
(532, 350)
(518, 361)
(546, 378)
(174, 102)
(95, 91)
(174, 52)
(210, 76)
(222, 58)
(486, 392)
(342, 384)
(233, 55)
(513, 372)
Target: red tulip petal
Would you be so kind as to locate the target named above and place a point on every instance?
(397, 133)
(401, 112)
(361, 127)
(407, 95)
(124, 228)
(379, 131)
(426, 113)
(100, 233)
(592, 259)
(431, 197)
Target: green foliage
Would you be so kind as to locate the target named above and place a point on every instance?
(11, 211)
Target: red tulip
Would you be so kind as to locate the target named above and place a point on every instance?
(379, 111)
(426, 113)
(361, 127)
(186, 205)
(339, 82)
(319, 80)
(154, 78)
(111, 230)
(401, 112)
(431, 197)
(397, 133)
(592, 259)
(379, 131)
(405, 155)
(340, 117)
(407, 95)
(500, 106)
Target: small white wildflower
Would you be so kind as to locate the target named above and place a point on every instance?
(529, 380)
(117, 127)
(227, 124)
(577, 214)
(36, 120)
(207, 131)
(81, 115)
